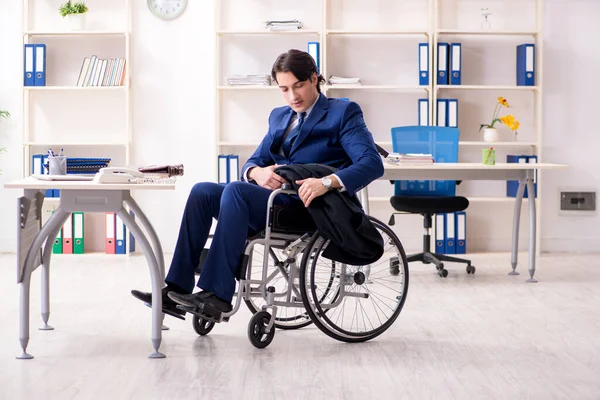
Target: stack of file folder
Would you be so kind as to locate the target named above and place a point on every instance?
(263, 80)
(286, 25)
(338, 80)
(411, 158)
(86, 165)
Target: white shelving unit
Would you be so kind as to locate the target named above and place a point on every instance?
(239, 29)
(85, 121)
(378, 42)
(61, 84)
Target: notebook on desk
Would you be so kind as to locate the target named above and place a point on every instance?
(73, 177)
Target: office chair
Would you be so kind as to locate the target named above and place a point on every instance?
(428, 197)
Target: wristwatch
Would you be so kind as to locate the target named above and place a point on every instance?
(327, 182)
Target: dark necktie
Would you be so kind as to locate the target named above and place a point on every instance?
(292, 135)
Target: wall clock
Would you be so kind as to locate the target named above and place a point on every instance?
(167, 9)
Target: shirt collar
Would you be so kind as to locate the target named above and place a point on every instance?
(309, 109)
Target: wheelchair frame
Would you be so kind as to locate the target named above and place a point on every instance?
(261, 328)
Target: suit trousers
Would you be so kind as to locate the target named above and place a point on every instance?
(239, 208)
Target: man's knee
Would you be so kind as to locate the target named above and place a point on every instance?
(237, 189)
(205, 190)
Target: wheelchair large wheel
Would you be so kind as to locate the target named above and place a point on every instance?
(277, 276)
(354, 303)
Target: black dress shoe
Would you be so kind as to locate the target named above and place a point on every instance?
(169, 307)
(204, 302)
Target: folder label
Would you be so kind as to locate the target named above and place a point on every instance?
(461, 232)
(423, 63)
(455, 64)
(40, 65)
(439, 234)
(441, 112)
(78, 243)
(453, 113)
(68, 236)
(423, 112)
(442, 67)
(313, 50)
(223, 169)
(29, 79)
(233, 168)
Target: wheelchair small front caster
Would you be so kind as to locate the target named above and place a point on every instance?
(470, 269)
(256, 330)
(202, 326)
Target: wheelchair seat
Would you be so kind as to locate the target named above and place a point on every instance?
(288, 219)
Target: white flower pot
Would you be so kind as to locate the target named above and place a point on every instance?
(490, 134)
(76, 21)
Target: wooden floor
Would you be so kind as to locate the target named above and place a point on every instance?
(487, 336)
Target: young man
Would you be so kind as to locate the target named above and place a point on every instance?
(310, 129)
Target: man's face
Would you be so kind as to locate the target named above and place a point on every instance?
(299, 95)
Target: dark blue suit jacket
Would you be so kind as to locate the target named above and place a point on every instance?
(334, 133)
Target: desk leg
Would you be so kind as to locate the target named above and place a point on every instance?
(158, 252)
(24, 317)
(516, 221)
(46, 277)
(157, 314)
(57, 220)
(532, 229)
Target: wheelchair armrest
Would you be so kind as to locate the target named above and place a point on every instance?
(381, 151)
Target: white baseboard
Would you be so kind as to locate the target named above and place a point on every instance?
(570, 245)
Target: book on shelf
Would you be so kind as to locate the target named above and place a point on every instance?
(101, 72)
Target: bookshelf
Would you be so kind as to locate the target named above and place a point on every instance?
(378, 42)
(85, 121)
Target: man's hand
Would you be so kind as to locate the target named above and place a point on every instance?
(310, 189)
(265, 177)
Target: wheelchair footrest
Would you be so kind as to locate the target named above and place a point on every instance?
(207, 313)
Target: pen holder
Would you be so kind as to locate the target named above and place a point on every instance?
(57, 165)
(488, 157)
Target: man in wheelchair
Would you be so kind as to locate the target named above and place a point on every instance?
(311, 129)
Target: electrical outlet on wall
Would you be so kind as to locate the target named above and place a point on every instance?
(577, 202)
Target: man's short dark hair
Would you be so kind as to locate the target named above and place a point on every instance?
(299, 63)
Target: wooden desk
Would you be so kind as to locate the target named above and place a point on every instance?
(522, 172)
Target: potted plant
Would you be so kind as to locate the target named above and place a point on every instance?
(3, 114)
(490, 132)
(75, 13)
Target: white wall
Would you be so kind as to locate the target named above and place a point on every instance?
(173, 117)
(571, 133)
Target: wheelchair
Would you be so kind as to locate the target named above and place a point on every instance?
(287, 284)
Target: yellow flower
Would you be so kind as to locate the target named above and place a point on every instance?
(510, 121)
(503, 101)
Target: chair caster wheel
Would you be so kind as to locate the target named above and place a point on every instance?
(470, 269)
(443, 272)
